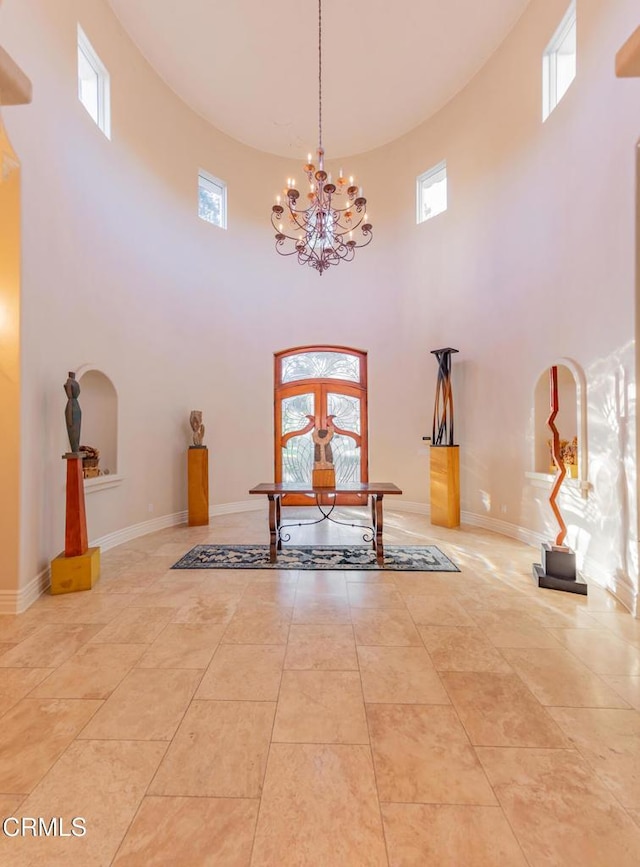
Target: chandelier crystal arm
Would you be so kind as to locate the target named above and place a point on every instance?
(282, 235)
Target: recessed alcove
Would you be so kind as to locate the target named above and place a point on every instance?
(99, 403)
(571, 422)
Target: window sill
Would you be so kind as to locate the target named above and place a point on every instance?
(100, 483)
(544, 480)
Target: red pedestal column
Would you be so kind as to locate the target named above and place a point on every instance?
(75, 538)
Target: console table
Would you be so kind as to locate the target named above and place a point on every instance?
(374, 491)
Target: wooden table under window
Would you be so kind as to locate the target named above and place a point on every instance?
(373, 491)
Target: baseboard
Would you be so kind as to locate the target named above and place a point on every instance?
(127, 534)
(485, 522)
(111, 540)
(17, 601)
(255, 504)
(503, 528)
(407, 506)
(619, 585)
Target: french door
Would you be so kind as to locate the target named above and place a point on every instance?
(304, 400)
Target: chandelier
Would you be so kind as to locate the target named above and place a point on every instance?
(334, 223)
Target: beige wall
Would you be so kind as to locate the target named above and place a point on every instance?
(533, 261)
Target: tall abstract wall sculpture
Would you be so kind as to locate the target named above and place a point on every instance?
(557, 457)
(558, 568)
(443, 410)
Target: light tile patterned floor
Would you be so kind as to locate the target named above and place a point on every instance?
(322, 719)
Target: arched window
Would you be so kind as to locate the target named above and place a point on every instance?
(318, 383)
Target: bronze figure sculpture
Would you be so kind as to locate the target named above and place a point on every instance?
(195, 420)
(73, 413)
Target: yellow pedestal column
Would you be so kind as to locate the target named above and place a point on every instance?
(445, 486)
(198, 482)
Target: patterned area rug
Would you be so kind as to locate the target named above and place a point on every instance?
(414, 558)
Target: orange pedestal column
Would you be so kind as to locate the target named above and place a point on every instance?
(78, 567)
(75, 537)
(198, 484)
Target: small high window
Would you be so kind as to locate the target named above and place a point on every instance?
(212, 199)
(431, 192)
(559, 62)
(93, 84)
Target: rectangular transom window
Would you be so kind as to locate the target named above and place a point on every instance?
(559, 62)
(93, 84)
(212, 199)
(431, 192)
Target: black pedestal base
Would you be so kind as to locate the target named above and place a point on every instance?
(550, 582)
(558, 570)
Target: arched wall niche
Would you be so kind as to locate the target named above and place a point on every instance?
(571, 420)
(99, 403)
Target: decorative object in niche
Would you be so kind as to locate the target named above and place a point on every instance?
(558, 568)
(195, 420)
(444, 454)
(90, 462)
(568, 456)
(73, 413)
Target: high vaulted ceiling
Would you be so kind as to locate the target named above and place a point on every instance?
(250, 67)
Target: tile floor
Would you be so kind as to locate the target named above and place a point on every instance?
(322, 719)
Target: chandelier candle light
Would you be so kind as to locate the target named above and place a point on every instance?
(327, 231)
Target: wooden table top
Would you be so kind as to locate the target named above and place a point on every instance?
(356, 488)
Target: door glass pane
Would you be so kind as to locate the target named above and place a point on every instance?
(297, 455)
(321, 365)
(346, 410)
(346, 459)
(346, 456)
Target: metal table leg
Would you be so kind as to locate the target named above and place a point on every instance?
(274, 508)
(379, 547)
(279, 521)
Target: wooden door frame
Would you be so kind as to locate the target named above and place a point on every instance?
(317, 385)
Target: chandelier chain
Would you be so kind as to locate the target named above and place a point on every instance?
(318, 227)
(320, 73)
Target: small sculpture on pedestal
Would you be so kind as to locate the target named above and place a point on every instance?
(324, 474)
(73, 413)
(195, 420)
(558, 568)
